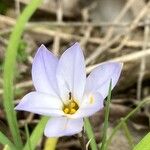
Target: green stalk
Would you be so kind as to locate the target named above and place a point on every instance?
(9, 69)
(128, 135)
(104, 138)
(90, 134)
(5, 141)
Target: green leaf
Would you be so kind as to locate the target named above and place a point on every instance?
(5, 141)
(90, 134)
(9, 69)
(28, 136)
(36, 134)
(107, 109)
(144, 144)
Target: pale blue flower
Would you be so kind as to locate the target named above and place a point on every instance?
(63, 91)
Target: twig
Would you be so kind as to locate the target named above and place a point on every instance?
(10, 21)
(118, 19)
(5, 31)
(89, 29)
(82, 140)
(56, 44)
(22, 122)
(87, 34)
(122, 44)
(143, 61)
(24, 84)
(17, 7)
(83, 24)
(3, 40)
(125, 58)
(41, 29)
(100, 49)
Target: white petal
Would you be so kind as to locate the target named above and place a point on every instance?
(41, 103)
(62, 126)
(92, 103)
(99, 79)
(71, 74)
(44, 71)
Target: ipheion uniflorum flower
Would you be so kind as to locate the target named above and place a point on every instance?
(63, 92)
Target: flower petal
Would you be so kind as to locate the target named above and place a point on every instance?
(71, 73)
(99, 79)
(39, 103)
(63, 126)
(92, 103)
(44, 71)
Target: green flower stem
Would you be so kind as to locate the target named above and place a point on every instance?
(147, 100)
(5, 141)
(90, 134)
(36, 134)
(107, 109)
(9, 69)
(128, 135)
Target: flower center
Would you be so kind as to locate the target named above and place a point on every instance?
(70, 108)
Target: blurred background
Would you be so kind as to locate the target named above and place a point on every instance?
(117, 30)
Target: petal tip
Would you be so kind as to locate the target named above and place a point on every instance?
(18, 107)
(76, 45)
(41, 48)
(118, 65)
(121, 65)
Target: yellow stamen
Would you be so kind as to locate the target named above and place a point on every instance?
(72, 111)
(72, 104)
(66, 110)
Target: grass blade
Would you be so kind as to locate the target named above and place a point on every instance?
(5, 141)
(90, 134)
(128, 134)
(144, 144)
(28, 136)
(107, 109)
(36, 134)
(9, 67)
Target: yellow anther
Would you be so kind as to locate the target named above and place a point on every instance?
(72, 104)
(72, 111)
(70, 107)
(66, 110)
(91, 99)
